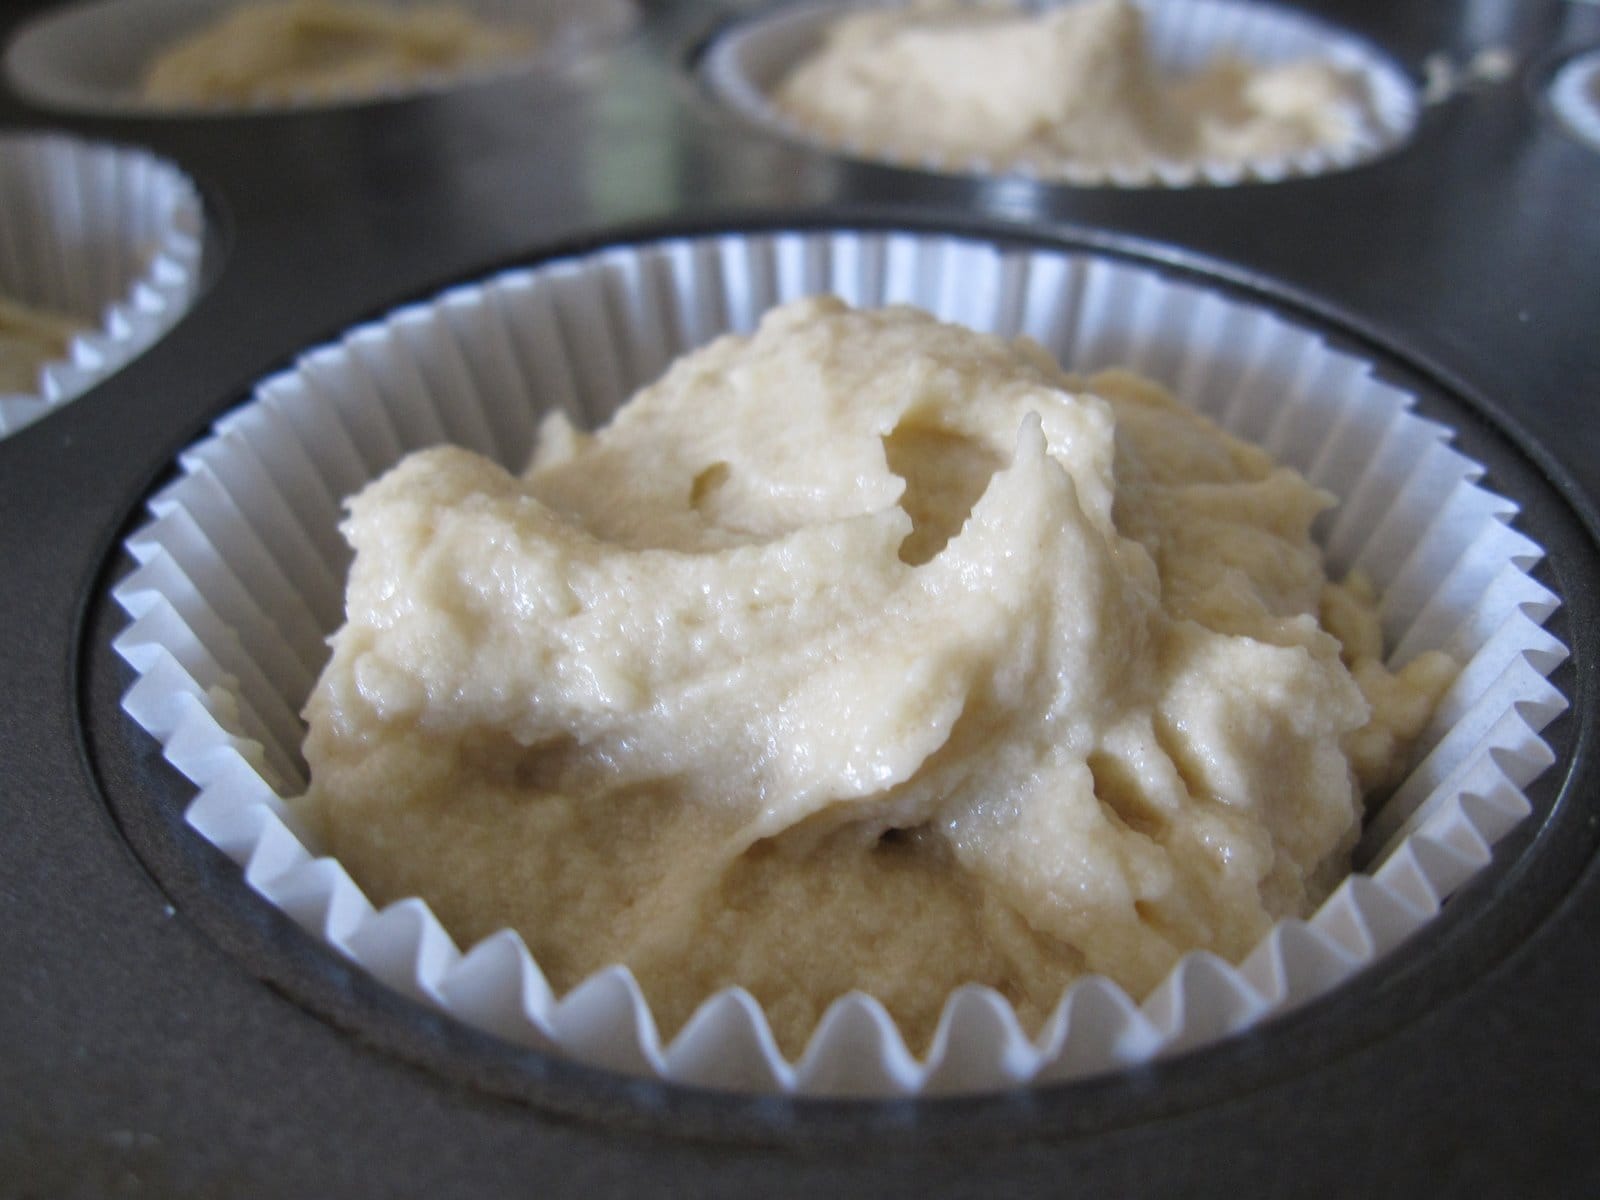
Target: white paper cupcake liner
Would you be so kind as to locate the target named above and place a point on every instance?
(106, 234)
(90, 57)
(240, 578)
(746, 64)
(1575, 96)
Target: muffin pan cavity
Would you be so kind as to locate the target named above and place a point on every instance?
(91, 58)
(746, 63)
(240, 581)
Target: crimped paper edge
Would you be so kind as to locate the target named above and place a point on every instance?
(1571, 98)
(149, 306)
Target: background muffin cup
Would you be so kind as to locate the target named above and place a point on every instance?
(91, 57)
(240, 579)
(1575, 96)
(746, 63)
(105, 234)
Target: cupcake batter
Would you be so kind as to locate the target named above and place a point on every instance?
(323, 49)
(866, 652)
(1072, 86)
(30, 338)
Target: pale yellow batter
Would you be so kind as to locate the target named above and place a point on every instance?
(1073, 86)
(865, 652)
(324, 49)
(30, 338)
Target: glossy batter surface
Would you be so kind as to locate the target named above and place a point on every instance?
(866, 652)
(1073, 85)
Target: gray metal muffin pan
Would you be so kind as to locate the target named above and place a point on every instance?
(164, 1032)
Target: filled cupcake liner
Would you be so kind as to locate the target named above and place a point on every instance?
(107, 234)
(239, 581)
(746, 64)
(89, 57)
(1575, 96)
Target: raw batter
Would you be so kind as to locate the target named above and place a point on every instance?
(866, 652)
(1071, 86)
(323, 49)
(30, 338)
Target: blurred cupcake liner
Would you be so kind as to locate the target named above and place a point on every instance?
(746, 64)
(90, 57)
(107, 235)
(240, 579)
(1575, 96)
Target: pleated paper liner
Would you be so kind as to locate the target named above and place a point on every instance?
(108, 235)
(745, 65)
(90, 57)
(241, 567)
(1575, 96)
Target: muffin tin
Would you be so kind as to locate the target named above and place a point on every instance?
(163, 1025)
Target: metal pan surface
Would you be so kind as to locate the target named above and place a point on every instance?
(164, 1032)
